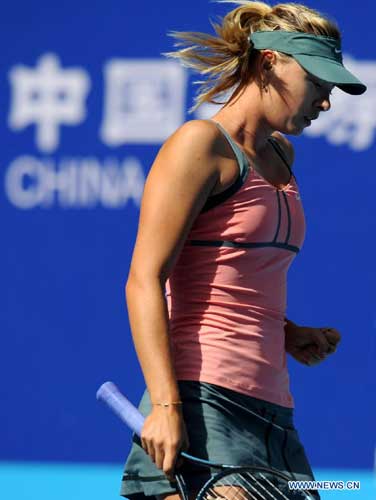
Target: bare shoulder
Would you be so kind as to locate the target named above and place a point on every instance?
(191, 150)
(286, 146)
(197, 135)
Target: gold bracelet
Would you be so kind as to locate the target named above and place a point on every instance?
(165, 405)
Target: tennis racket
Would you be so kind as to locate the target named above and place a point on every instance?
(227, 482)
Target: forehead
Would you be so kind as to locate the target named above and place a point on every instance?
(300, 71)
(292, 70)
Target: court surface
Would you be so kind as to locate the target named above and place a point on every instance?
(42, 481)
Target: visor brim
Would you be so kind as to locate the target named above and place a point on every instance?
(332, 72)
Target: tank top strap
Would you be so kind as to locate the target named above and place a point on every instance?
(277, 148)
(240, 155)
(216, 199)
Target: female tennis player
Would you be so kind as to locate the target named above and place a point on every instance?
(221, 221)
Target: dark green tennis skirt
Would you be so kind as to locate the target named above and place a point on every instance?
(225, 427)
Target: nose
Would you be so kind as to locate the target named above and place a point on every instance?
(324, 104)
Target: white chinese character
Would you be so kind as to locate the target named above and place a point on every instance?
(48, 96)
(144, 102)
(352, 119)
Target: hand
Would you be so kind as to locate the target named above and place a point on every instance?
(163, 436)
(311, 346)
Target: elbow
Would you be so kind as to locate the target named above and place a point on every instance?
(142, 280)
(132, 289)
(130, 285)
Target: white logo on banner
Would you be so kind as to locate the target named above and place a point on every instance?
(74, 182)
(48, 96)
(144, 101)
(352, 119)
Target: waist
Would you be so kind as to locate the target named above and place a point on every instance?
(244, 355)
(233, 400)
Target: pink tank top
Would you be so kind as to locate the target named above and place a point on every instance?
(226, 295)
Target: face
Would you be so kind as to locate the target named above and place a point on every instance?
(295, 97)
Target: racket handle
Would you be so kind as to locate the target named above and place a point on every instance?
(129, 414)
(119, 404)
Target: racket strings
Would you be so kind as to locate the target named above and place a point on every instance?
(245, 486)
(270, 483)
(230, 494)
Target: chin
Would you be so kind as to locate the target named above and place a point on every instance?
(291, 129)
(297, 132)
(295, 129)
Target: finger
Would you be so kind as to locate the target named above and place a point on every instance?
(316, 359)
(148, 448)
(321, 342)
(159, 456)
(304, 357)
(312, 357)
(169, 461)
(332, 335)
(144, 444)
(312, 352)
(332, 349)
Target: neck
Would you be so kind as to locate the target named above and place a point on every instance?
(246, 124)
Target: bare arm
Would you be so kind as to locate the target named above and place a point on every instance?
(180, 181)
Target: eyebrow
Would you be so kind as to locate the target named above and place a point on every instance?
(321, 82)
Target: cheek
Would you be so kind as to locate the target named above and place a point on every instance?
(301, 93)
(295, 92)
(293, 102)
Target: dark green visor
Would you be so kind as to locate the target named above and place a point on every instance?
(319, 55)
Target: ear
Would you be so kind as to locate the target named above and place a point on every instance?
(268, 59)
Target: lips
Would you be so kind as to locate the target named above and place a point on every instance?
(307, 120)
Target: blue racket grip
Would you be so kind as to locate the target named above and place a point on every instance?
(129, 414)
(119, 404)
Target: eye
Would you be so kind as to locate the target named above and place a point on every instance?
(320, 86)
(316, 84)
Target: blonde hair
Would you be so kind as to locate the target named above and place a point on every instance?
(226, 60)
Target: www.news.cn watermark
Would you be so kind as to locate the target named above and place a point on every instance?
(324, 485)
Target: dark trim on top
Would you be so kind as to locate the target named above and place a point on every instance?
(277, 148)
(243, 165)
(235, 244)
(217, 199)
(288, 217)
(279, 216)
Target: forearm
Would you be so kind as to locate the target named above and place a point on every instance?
(148, 317)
